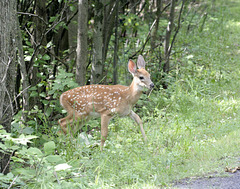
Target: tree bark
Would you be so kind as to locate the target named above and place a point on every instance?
(108, 22)
(97, 62)
(39, 40)
(178, 26)
(24, 75)
(7, 70)
(115, 61)
(82, 46)
(72, 33)
(109, 19)
(168, 37)
(155, 30)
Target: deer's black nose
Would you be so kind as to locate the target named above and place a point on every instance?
(151, 85)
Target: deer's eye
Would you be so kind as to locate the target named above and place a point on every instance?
(141, 77)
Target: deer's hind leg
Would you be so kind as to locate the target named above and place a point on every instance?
(64, 123)
(73, 122)
(104, 128)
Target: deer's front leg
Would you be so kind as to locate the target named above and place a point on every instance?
(137, 119)
(104, 128)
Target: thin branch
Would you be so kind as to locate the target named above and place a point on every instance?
(7, 66)
(30, 14)
(110, 14)
(165, 8)
(55, 174)
(69, 20)
(65, 64)
(44, 34)
(50, 29)
(138, 2)
(31, 36)
(13, 181)
(148, 37)
(14, 100)
(60, 19)
(178, 27)
(26, 13)
(8, 161)
(139, 12)
(149, 33)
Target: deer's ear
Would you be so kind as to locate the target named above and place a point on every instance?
(132, 67)
(141, 62)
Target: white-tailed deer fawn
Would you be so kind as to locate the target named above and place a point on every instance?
(106, 101)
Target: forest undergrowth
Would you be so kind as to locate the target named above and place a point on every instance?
(192, 126)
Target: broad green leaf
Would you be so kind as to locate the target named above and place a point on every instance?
(53, 158)
(48, 112)
(52, 19)
(49, 147)
(45, 102)
(72, 8)
(28, 130)
(43, 94)
(2, 146)
(32, 88)
(28, 43)
(34, 151)
(16, 159)
(34, 94)
(46, 57)
(25, 171)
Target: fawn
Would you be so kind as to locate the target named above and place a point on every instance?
(106, 101)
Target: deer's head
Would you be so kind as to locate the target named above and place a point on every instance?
(141, 77)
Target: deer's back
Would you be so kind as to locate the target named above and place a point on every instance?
(97, 99)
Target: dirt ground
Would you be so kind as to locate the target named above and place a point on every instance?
(230, 181)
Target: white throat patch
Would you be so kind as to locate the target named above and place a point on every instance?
(139, 85)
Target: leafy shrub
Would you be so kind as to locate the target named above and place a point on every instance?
(32, 167)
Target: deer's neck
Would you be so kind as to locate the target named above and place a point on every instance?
(134, 92)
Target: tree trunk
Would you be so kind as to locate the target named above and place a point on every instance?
(7, 70)
(39, 39)
(60, 38)
(168, 37)
(115, 61)
(97, 63)
(109, 13)
(82, 46)
(108, 22)
(155, 30)
(73, 32)
(24, 75)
